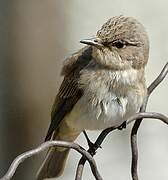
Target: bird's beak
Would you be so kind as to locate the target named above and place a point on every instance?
(93, 42)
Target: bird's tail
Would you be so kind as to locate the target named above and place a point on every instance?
(54, 162)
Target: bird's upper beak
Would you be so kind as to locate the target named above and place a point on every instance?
(97, 42)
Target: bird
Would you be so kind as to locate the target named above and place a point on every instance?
(103, 85)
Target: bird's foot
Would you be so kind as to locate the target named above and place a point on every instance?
(92, 146)
(122, 126)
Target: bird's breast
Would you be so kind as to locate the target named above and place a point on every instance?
(102, 105)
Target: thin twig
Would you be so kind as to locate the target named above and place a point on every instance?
(153, 115)
(92, 150)
(159, 79)
(88, 155)
(19, 159)
(104, 133)
(134, 146)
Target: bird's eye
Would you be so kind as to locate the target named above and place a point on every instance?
(119, 44)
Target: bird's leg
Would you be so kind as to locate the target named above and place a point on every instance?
(89, 142)
(92, 146)
(122, 126)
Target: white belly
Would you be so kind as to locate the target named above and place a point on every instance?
(109, 99)
(107, 111)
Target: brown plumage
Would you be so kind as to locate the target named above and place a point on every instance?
(103, 85)
(68, 95)
(69, 91)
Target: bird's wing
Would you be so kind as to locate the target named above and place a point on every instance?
(69, 92)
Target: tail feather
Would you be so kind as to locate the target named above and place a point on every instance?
(53, 164)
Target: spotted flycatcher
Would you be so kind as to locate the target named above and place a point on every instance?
(104, 84)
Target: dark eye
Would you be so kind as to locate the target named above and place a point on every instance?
(119, 44)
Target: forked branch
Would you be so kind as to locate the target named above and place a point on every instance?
(88, 155)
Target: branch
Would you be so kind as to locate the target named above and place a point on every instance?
(85, 155)
(134, 146)
(153, 115)
(92, 150)
(103, 134)
(19, 159)
(88, 155)
(159, 79)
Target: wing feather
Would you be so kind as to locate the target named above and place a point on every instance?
(69, 92)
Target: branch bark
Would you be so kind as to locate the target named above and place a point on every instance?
(88, 155)
(85, 154)
(134, 146)
(19, 159)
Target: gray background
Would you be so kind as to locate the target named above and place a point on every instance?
(35, 37)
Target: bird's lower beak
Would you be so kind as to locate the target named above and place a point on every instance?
(93, 42)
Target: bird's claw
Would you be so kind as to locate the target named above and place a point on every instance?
(122, 126)
(92, 146)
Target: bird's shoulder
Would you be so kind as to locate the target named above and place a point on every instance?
(69, 92)
(77, 61)
(71, 71)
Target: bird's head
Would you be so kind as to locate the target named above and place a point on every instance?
(122, 43)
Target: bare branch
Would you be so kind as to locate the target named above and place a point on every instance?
(88, 155)
(101, 137)
(85, 155)
(159, 79)
(134, 146)
(80, 167)
(92, 150)
(152, 115)
(19, 159)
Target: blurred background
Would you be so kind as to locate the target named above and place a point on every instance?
(35, 38)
